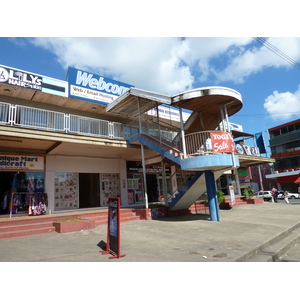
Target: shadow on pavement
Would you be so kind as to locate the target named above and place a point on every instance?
(102, 245)
(191, 217)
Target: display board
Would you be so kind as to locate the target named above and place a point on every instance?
(113, 229)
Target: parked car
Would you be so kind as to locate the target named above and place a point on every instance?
(266, 195)
(290, 195)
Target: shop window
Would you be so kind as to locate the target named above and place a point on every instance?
(17, 190)
(85, 190)
(135, 188)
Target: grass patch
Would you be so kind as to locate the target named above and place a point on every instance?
(70, 220)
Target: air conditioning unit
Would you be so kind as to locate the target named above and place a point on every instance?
(275, 172)
(291, 170)
(285, 170)
(297, 169)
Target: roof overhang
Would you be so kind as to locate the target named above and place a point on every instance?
(208, 101)
(283, 174)
(249, 160)
(127, 104)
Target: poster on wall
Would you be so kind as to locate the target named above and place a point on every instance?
(66, 191)
(110, 187)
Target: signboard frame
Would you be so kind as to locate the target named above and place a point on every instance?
(95, 88)
(113, 229)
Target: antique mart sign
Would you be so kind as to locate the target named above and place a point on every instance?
(21, 162)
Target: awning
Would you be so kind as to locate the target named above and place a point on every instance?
(126, 104)
(297, 180)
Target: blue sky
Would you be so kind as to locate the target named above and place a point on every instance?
(269, 84)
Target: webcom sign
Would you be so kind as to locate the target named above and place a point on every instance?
(95, 88)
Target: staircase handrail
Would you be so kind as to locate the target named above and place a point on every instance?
(182, 183)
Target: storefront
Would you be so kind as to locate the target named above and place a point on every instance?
(22, 184)
(154, 182)
(74, 183)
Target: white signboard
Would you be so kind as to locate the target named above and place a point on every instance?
(21, 162)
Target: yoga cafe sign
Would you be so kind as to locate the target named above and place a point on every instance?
(222, 142)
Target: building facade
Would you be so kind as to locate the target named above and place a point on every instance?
(70, 145)
(285, 149)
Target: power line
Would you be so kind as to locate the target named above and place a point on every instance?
(278, 52)
(268, 114)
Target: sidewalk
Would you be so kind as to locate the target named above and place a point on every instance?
(191, 238)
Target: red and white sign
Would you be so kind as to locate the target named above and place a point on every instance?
(222, 142)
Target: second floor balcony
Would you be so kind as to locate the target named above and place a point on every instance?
(62, 125)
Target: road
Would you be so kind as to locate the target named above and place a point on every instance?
(292, 201)
(293, 255)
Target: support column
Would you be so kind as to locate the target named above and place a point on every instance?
(143, 157)
(164, 182)
(237, 182)
(212, 196)
(182, 132)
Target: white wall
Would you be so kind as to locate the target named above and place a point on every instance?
(55, 164)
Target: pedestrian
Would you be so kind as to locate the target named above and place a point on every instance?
(286, 196)
(274, 193)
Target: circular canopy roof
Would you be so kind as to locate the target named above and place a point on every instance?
(208, 101)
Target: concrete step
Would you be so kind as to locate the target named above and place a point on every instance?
(37, 225)
(275, 248)
(21, 232)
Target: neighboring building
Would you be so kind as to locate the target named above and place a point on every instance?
(259, 174)
(73, 144)
(285, 149)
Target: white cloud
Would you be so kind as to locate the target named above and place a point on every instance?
(170, 65)
(148, 63)
(283, 106)
(166, 65)
(255, 59)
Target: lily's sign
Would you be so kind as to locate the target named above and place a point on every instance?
(222, 142)
(20, 78)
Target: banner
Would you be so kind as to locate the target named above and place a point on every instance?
(222, 142)
(246, 150)
(260, 142)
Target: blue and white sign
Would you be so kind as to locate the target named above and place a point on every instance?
(20, 78)
(90, 87)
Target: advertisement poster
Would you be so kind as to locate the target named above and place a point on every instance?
(66, 191)
(113, 229)
(222, 142)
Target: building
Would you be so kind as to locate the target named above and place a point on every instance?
(285, 149)
(70, 145)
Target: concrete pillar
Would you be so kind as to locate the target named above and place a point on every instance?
(212, 196)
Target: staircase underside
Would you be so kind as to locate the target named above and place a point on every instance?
(193, 193)
(216, 163)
